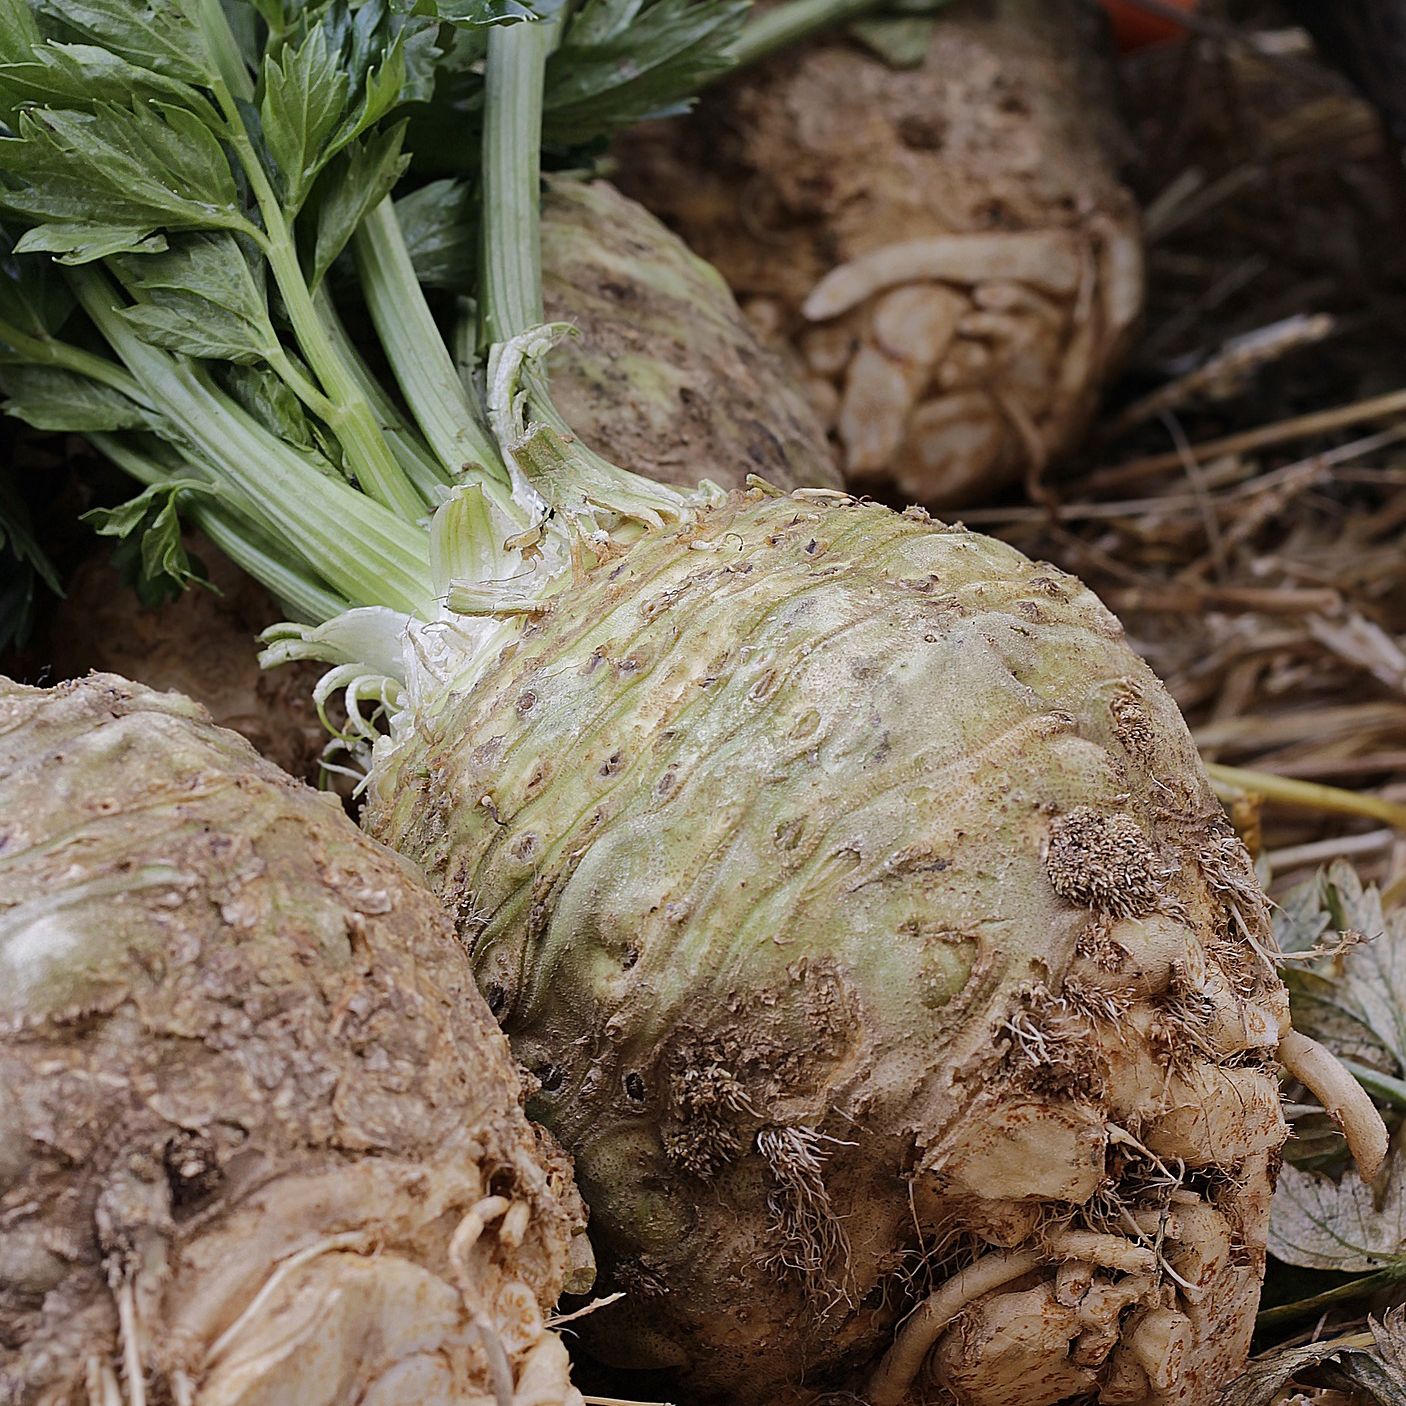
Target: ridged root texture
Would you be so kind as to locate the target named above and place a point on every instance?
(858, 899)
(260, 1139)
(947, 247)
(666, 374)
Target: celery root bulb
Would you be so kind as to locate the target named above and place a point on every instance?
(260, 1140)
(948, 246)
(666, 373)
(859, 902)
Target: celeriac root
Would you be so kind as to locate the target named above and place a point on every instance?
(947, 247)
(912, 926)
(247, 1087)
(665, 374)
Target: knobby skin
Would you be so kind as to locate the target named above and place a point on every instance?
(858, 900)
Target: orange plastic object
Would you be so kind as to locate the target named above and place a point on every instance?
(1136, 28)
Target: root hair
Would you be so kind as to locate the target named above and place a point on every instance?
(811, 1242)
(130, 1330)
(101, 1382)
(1049, 1049)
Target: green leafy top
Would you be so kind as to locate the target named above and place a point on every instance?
(180, 177)
(615, 62)
(621, 61)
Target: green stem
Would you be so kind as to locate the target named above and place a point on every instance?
(49, 351)
(377, 470)
(224, 50)
(357, 546)
(301, 386)
(510, 298)
(510, 292)
(236, 539)
(350, 418)
(415, 348)
(464, 340)
(297, 591)
(1317, 1304)
(421, 467)
(784, 25)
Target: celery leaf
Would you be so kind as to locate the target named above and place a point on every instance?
(161, 35)
(357, 180)
(437, 224)
(150, 554)
(305, 97)
(273, 405)
(1354, 1000)
(203, 299)
(79, 242)
(80, 75)
(1345, 1226)
(33, 298)
(622, 61)
(49, 398)
(148, 166)
(486, 12)
(1370, 1366)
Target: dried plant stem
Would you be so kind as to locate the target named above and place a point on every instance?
(1322, 851)
(621, 1401)
(1233, 780)
(1261, 437)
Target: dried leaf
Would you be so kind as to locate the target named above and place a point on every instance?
(1347, 1226)
(1373, 1366)
(1380, 1371)
(1353, 1001)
